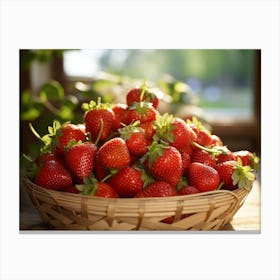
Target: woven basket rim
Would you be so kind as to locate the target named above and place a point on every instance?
(169, 198)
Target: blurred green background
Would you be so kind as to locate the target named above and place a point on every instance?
(222, 87)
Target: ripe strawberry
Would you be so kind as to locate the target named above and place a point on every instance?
(119, 112)
(114, 154)
(53, 175)
(98, 120)
(142, 93)
(100, 171)
(203, 135)
(46, 157)
(186, 161)
(66, 134)
(164, 163)
(157, 189)
(216, 141)
(71, 189)
(60, 136)
(127, 182)
(92, 187)
(203, 157)
(135, 139)
(203, 177)
(248, 158)
(80, 159)
(226, 155)
(186, 190)
(149, 130)
(143, 112)
(173, 131)
(234, 175)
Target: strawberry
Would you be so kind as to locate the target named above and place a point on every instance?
(203, 177)
(119, 112)
(98, 119)
(186, 161)
(127, 182)
(203, 157)
(164, 163)
(234, 175)
(157, 189)
(68, 133)
(142, 111)
(100, 171)
(60, 136)
(142, 93)
(135, 139)
(114, 154)
(80, 159)
(71, 189)
(53, 175)
(216, 140)
(248, 158)
(203, 135)
(149, 130)
(186, 190)
(46, 157)
(92, 187)
(173, 131)
(226, 155)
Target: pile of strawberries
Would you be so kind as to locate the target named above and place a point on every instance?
(131, 150)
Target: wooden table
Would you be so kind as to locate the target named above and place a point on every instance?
(246, 219)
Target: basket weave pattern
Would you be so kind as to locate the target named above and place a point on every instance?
(68, 211)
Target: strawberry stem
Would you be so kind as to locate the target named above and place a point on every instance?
(36, 134)
(143, 89)
(209, 150)
(100, 131)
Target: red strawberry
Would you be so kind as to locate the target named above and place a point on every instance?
(186, 161)
(186, 190)
(216, 140)
(60, 136)
(203, 177)
(234, 175)
(100, 171)
(157, 189)
(203, 157)
(114, 154)
(99, 120)
(246, 157)
(69, 133)
(203, 135)
(127, 182)
(173, 131)
(119, 111)
(80, 159)
(226, 155)
(92, 187)
(53, 175)
(143, 112)
(135, 139)
(164, 163)
(71, 189)
(143, 93)
(149, 130)
(46, 157)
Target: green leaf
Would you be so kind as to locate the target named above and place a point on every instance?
(51, 91)
(30, 114)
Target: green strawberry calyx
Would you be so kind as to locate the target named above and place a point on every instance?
(155, 150)
(141, 108)
(92, 105)
(89, 186)
(126, 131)
(242, 175)
(198, 124)
(164, 128)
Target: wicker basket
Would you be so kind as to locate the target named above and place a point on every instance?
(68, 211)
